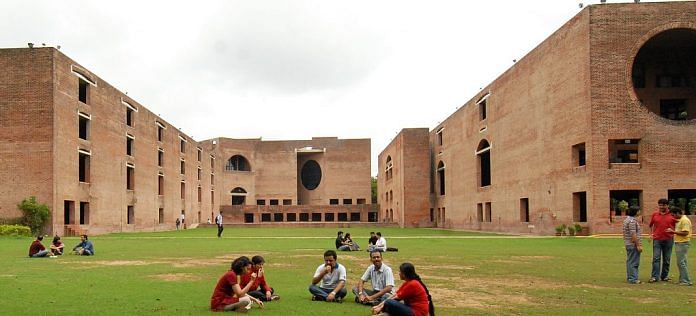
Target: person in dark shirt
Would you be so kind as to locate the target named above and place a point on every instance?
(37, 249)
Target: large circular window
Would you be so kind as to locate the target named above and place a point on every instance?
(310, 175)
(664, 74)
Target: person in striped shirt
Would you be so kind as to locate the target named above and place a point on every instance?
(631, 237)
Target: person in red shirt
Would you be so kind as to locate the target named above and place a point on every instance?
(259, 289)
(663, 240)
(37, 249)
(416, 297)
(228, 295)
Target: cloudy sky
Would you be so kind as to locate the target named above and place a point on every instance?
(292, 69)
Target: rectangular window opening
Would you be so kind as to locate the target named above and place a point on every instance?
(131, 215)
(524, 210)
(347, 201)
(129, 145)
(129, 116)
(260, 202)
(160, 157)
(130, 177)
(489, 212)
(160, 184)
(580, 207)
(684, 199)
(479, 212)
(329, 217)
(361, 201)
(333, 201)
(273, 202)
(183, 190)
(624, 150)
(287, 202)
(84, 213)
(68, 212)
(200, 194)
(620, 200)
(83, 126)
(579, 155)
(84, 168)
(160, 215)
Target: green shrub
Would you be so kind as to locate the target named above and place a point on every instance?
(35, 214)
(14, 230)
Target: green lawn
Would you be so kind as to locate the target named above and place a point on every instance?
(467, 273)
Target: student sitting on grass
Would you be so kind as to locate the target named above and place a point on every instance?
(228, 296)
(57, 246)
(37, 249)
(329, 280)
(259, 289)
(85, 247)
(417, 300)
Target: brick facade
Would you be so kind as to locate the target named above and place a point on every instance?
(571, 127)
(103, 163)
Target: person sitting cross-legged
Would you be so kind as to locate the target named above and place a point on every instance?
(227, 295)
(382, 279)
(85, 247)
(331, 279)
(57, 246)
(259, 288)
(37, 249)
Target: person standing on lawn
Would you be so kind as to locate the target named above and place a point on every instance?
(631, 237)
(663, 241)
(218, 222)
(682, 234)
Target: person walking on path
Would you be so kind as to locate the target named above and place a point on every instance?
(218, 222)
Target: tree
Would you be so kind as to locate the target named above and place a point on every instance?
(373, 181)
(35, 214)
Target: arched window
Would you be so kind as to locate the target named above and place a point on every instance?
(441, 176)
(483, 155)
(388, 168)
(237, 163)
(238, 196)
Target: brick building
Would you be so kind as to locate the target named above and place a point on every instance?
(102, 162)
(601, 111)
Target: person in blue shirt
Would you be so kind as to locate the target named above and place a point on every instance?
(85, 247)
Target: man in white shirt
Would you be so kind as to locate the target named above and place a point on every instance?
(381, 244)
(382, 280)
(331, 280)
(218, 222)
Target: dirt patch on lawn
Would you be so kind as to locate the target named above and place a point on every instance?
(123, 262)
(176, 277)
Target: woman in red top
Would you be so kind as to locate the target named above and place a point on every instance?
(417, 300)
(228, 295)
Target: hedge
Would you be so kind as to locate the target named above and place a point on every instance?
(15, 230)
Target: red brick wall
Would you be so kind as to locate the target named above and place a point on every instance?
(26, 129)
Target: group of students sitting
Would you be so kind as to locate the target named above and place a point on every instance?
(329, 284)
(375, 243)
(243, 285)
(37, 249)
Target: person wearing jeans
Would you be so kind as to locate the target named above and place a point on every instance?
(631, 237)
(329, 280)
(661, 222)
(682, 234)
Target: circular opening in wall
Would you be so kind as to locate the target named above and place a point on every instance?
(310, 175)
(664, 74)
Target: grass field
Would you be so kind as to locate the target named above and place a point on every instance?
(173, 273)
